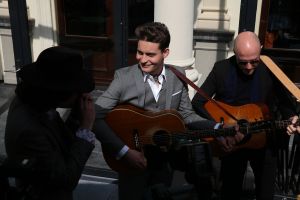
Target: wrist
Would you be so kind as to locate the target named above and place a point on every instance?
(86, 134)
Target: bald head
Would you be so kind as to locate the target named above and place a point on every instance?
(246, 42)
(247, 51)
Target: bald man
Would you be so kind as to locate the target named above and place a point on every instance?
(239, 80)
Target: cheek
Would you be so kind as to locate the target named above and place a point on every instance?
(155, 60)
(137, 56)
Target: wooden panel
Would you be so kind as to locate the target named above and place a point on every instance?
(88, 26)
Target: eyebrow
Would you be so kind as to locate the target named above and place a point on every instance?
(255, 59)
(147, 53)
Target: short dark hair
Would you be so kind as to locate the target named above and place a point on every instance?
(155, 32)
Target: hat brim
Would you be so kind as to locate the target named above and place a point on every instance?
(29, 75)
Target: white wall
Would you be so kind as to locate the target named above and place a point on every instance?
(44, 33)
(7, 69)
(234, 13)
(221, 17)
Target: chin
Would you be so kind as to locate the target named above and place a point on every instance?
(248, 72)
(147, 69)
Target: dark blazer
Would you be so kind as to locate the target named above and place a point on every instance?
(225, 82)
(128, 87)
(58, 156)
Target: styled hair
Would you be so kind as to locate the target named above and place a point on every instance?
(155, 32)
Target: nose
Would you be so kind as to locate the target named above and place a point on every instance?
(249, 66)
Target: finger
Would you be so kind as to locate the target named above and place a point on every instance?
(226, 146)
(292, 128)
(239, 137)
(289, 130)
(222, 141)
(230, 141)
(145, 162)
(142, 164)
(294, 119)
(227, 149)
(237, 128)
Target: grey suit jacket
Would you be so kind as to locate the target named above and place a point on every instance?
(128, 87)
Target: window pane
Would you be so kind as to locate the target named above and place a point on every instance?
(283, 24)
(87, 18)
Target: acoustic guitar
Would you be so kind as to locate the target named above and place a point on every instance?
(137, 128)
(252, 113)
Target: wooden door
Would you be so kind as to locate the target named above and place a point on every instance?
(88, 26)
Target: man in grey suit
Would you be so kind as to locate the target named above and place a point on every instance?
(150, 85)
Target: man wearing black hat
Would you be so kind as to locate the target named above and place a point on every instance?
(36, 134)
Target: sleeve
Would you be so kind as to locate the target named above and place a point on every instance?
(105, 103)
(209, 87)
(86, 134)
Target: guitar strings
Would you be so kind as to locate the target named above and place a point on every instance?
(194, 134)
(189, 136)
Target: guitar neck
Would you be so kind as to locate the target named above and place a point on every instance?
(254, 127)
(198, 134)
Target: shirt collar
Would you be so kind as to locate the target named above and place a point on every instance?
(163, 74)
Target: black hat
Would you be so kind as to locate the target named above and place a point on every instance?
(58, 69)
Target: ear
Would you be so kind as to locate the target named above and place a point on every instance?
(166, 52)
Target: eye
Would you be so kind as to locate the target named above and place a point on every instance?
(252, 62)
(151, 54)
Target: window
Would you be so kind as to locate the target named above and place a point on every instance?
(279, 33)
(99, 28)
(283, 28)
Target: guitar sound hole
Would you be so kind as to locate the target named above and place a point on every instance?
(162, 139)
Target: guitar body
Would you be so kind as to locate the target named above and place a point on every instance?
(137, 127)
(248, 112)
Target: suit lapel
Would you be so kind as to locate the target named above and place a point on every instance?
(170, 87)
(139, 82)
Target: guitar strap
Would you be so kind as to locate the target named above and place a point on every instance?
(281, 76)
(200, 91)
